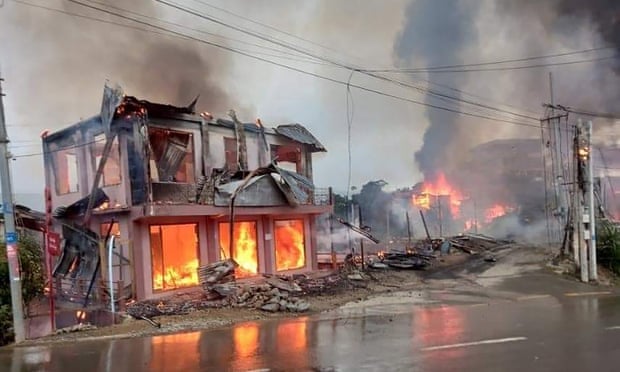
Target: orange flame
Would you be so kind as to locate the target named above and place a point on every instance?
(245, 251)
(176, 277)
(290, 250)
(471, 224)
(495, 211)
(440, 187)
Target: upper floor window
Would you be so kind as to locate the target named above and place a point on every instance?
(172, 155)
(287, 156)
(66, 170)
(112, 168)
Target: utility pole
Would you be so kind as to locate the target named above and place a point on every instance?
(10, 233)
(557, 161)
(591, 209)
(581, 158)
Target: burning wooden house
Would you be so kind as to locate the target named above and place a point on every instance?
(166, 186)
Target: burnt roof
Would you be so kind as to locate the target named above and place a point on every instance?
(299, 133)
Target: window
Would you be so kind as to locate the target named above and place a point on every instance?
(289, 244)
(230, 150)
(245, 250)
(174, 255)
(66, 172)
(172, 156)
(287, 156)
(112, 167)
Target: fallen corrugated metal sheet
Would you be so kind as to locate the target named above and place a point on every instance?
(299, 133)
(261, 191)
(272, 187)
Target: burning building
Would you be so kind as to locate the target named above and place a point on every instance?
(166, 186)
(494, 179)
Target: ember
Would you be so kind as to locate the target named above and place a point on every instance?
(245, 251)
(290, 250)
(435, 189)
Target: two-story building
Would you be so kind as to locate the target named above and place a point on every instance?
(168, 182)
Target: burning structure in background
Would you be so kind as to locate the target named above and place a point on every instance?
(497, 180)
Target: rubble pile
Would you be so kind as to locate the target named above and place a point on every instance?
(475, 243)
(273, 295)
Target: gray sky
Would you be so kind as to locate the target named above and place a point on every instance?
(55, 66)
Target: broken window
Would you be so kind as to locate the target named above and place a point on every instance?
(112, 168)
(230, 150)
(245, 249)
(66, 172)
(172, 157)
(289, 243)
(287, 157)
(174, 255)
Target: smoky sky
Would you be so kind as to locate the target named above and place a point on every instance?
(436, 33)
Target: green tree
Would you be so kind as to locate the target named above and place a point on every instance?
(375, 205)
(33, 281)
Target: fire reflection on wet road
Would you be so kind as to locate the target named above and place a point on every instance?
(536, 333)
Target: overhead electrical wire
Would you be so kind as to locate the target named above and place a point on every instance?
(508, 68)
(347, 83)
(288, 56)
(336, 63)
(477, 64)
(292, 68)
(333, 50)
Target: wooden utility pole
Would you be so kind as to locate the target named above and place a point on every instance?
(12, 251)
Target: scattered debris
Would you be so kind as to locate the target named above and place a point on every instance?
(76, 328)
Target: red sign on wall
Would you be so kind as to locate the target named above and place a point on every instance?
(53, 243)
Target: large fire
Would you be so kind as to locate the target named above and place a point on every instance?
(176, 277)
(245, 251)
(290, 251)
(439, 187)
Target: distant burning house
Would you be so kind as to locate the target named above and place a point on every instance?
(167, 183)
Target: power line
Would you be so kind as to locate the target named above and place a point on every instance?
(224, 47)
(197, 30)
(428, 68)
(167, 33)
(340, 51)
(348, 67)
(432, 71)
(267, 26)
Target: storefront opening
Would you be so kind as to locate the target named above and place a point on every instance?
(174, 253)
(290, 248)
(245, 249)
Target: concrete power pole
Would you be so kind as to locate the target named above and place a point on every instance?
(591, 204)
(10, 233)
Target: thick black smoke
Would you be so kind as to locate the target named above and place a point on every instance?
(434, 33)
(439, 33)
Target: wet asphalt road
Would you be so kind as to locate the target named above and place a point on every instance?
(567, 330)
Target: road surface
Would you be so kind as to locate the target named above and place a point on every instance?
(506, 316)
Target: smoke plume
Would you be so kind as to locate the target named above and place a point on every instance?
(437, 33)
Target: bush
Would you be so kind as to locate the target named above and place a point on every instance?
(608, 245)
(33, 281)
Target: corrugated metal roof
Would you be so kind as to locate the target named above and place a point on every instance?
(299, 133)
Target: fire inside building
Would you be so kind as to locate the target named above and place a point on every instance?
(174, 189)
